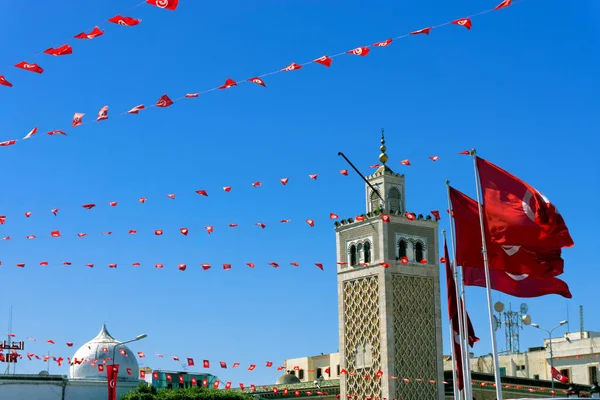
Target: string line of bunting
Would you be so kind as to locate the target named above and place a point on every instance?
(104, 358)
(227, 267)
(67, 49)
(210, 228)
(228, 189)
(326, 61)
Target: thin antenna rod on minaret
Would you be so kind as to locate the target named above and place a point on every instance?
(361, 175)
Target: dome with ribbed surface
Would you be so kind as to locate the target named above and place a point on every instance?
(99, 351)
(287, 379)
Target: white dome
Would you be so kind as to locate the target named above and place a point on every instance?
(98, 349)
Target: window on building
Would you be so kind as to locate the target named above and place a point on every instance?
(593, 375)
(338, 370)
(359, 253)
(536, 377)
(502, 371)
(418, 252)
(292, 372)
(301, 374)
(367, 251)
(375, 200)
(565, 373)
(402, 248)
(394, 200)
(319, 373)
(353, 255)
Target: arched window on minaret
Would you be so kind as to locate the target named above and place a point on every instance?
(359, 253)
(367, 252)
(353, 255)
(418, 252)
(401, 248)
(394, 200)
(375, 200)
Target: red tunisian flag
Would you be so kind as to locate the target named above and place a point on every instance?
(112, 373)
(166, 4)
(517, 260)
(517, 285)
(516, 213)
(558, 376)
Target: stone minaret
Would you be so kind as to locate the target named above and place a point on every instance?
(389, 297)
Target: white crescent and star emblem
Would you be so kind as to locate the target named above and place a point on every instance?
(162, 3)
(518, 277)
(511, 250)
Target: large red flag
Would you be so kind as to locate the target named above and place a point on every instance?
(516, 213)
(516, 285)
(112, 374)
(540, 262)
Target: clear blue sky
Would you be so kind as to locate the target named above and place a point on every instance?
(521, 87)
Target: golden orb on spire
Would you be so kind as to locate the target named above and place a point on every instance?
(383, 157)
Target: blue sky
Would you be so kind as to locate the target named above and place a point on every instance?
(518, 87)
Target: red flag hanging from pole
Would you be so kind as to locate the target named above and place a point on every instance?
(453, 316)
(517, 260)
(516, 213)
(558, 376)
(523, 285)
(112, 374)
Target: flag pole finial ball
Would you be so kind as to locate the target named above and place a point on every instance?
(383, 158)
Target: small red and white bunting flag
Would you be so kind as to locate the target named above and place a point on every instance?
(59, 51)
(466, 22)
(385, 43)
(228, 83)
(124, 21)
(284, 181)
(33, 67)
(344, 172)
(292, 67)
(359, 51)
(94, 33)
(166, 4)
(164, 101)
(136, 109)
(424, 31)
(4, 82)
(325, 60)
(31, 133)
(258, 81)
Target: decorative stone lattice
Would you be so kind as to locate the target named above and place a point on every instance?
(414, 337)
(362, 327)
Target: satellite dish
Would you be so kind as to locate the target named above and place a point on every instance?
(524, 308)
(496, 323)
(526, 319)
(499, 306)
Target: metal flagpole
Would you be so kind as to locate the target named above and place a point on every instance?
(462, 321)
(454, 377)
(465, 319)
(486, 266)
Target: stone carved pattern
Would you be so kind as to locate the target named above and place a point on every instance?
(361, 327)
(414, 337)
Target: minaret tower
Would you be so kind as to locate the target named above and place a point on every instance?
(389, 297)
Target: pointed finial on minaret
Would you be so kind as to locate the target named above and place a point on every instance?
(383, 157)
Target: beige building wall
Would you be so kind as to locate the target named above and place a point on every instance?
(307, 368)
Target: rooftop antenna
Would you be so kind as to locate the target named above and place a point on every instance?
(7, 371)
(581, 321)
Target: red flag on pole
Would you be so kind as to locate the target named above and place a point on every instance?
(516, 213)
(558, 376)
(517, 260)
(517, 285)
(112, 373)
(453, 316)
